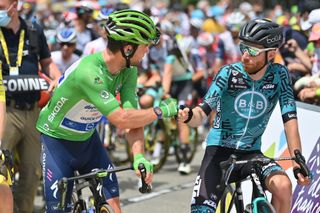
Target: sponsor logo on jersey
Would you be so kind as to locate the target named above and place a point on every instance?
(234, 72)
(98, 80)
(104, 94)
(250, 104)
(268, 86)
(57, 108)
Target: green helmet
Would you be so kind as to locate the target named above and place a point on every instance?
(132, 26)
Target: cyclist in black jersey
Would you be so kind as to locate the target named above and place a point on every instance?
(243, 95)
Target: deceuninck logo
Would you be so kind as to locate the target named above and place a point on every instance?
(306, 199)
(250, 104)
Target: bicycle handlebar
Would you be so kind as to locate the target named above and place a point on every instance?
(96, 173)
(228, 165)
(145, 188)
(302, 163)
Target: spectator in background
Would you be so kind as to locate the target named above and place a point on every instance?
(84, 34)
(292, 52)
(64, 58)
(310, 85)
(18, 59)
(100, 43)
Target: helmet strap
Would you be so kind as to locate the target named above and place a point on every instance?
(127, 55)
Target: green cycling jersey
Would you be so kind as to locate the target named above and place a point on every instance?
(86, 91)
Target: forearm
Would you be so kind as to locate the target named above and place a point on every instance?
(135, 139)
(293, 137)
(132, 118)
(50, 69)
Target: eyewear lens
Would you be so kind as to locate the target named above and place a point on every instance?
(251, 50)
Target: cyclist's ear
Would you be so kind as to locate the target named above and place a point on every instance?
(271, 54)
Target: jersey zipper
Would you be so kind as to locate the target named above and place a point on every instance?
(249, 116)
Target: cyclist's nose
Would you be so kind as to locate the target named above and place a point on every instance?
(245, 55)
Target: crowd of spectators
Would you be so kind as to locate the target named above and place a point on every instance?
(214, 29)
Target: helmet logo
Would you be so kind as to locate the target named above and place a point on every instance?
(274, 39)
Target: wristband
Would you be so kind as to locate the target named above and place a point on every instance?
(318, 92)
(158, 112)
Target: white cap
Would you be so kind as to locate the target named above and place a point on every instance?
(314, 17)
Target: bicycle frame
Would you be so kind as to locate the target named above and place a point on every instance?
(93, 180)
(259, 197)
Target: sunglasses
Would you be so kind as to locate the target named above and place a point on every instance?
(68, 44)
(253, 51)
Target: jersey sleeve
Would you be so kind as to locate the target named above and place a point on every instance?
(128, 95)
(286, 97)
(94, 88)
(213, 96)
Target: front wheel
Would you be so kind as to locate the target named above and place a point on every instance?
(226, 203)
(106, 209)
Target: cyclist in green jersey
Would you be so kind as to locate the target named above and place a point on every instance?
(88, 90)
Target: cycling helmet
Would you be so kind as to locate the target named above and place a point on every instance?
(262, 32)
(132, 26)
(67, 35)
(205, 39)
(236, 20)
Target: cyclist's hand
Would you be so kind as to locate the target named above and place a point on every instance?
(183, 113)
(139, 158)
(168, 107)
(302, 180)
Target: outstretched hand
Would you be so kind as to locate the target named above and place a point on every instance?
(183, 114)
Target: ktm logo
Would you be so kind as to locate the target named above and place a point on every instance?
(274, 39)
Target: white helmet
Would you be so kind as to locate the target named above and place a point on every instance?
(67, 35)
(166, 27)
(235, 20)
(205, 39)
(196, 22)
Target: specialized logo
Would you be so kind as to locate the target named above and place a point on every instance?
(250, 104)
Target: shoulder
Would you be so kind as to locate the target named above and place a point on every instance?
(279, 69)
(231, 68)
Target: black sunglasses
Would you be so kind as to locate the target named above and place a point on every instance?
(68, 44)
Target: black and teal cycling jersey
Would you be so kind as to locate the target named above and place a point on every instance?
(244, 106)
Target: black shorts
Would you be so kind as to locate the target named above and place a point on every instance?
(181, 90)
(205, 191)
